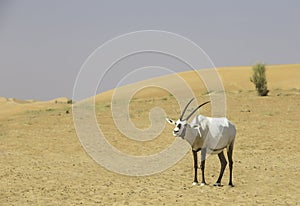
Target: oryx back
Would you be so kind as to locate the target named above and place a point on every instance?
(218, 133)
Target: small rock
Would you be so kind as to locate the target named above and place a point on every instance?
(245, 110)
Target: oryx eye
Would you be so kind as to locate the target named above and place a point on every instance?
(179, 126)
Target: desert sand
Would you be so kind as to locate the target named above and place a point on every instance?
(43, 163)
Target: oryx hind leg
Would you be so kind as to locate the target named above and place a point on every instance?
(229, 154)
(223, 166)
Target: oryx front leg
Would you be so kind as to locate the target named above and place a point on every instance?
(202, 166)
(195, 155)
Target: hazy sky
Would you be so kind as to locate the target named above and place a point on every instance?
(44, 43)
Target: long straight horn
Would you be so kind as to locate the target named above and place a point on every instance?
(186, 106)
(196, 110)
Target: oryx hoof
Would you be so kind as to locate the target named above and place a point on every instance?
(203, 184)
(195, 183)
(217, 184)
(230, 185)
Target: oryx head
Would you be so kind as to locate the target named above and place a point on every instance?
(181, 123)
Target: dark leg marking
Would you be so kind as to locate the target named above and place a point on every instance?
(202, 166)
(195, 166)
(223, 166)
(229, 154)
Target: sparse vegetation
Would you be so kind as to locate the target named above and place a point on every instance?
(70, 101)
(259, 79)
(205, 92)
(39, 147)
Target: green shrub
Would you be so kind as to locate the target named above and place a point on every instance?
(70, 101)
(259, 79)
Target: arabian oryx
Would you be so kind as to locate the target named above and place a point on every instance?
(210, 135)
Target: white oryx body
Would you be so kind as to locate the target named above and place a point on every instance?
(214, 134)
(210, 135)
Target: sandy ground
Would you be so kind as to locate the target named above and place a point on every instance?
(43, 163)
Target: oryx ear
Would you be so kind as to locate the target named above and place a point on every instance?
(170, 121)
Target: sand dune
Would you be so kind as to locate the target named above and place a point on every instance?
(60, 100)
(3, 99)
(43, 163)
(284, 77)
(19, 101)
(278, 76)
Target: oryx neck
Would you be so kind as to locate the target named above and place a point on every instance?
(190, 134)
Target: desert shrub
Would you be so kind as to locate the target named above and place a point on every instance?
(70, 101)
(259, 79)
